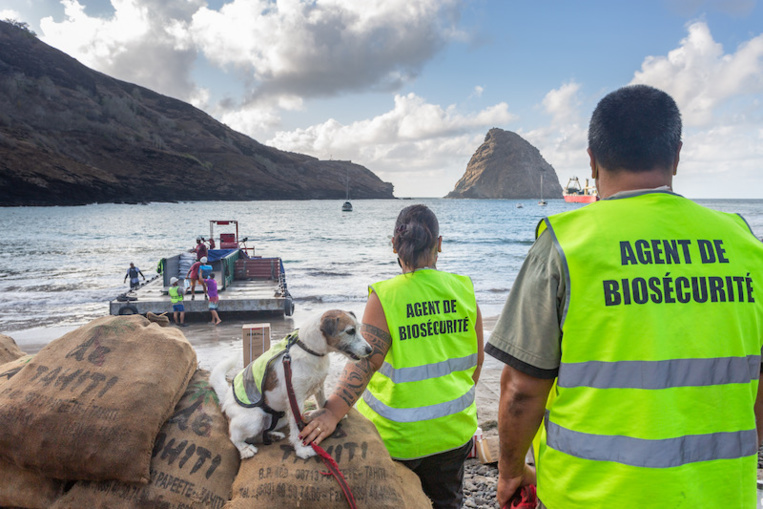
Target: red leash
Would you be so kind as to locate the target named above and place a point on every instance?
(327, 459)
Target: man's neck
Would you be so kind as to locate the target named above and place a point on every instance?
(609, 183)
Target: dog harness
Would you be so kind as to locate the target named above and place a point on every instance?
(247, 385)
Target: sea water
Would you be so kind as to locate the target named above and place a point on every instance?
(59, 266)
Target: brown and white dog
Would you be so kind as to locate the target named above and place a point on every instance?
(332, 331)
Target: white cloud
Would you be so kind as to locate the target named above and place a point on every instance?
(139, 43)
(718, 94)
(563, 142)
(701, 77)
(719, 97)
(10, 14)
(563, 104)
(414, 142)
(314, 49)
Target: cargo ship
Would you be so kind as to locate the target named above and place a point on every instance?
(576, 193)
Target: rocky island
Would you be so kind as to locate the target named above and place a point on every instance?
(506, 166)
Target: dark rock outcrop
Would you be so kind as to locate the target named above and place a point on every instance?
(70, 135)
(506, 166)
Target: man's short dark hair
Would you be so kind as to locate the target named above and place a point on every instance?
(635, 128)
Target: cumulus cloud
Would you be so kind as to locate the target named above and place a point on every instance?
(9, 14)
(719, 97)
(138, 43)
(425, 141)
(701, 77)
(319, 49)
(281, 52)
(563, 141)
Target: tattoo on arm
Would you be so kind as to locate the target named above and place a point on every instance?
(357, 374)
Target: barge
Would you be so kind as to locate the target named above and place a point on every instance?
(247, 283)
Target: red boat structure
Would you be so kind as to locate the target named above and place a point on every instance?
(576, 193)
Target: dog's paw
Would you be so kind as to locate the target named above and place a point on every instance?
(304, 452)
(247, 451)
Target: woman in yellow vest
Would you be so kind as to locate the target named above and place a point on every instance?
(418, 385)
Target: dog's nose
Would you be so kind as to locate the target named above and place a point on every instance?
(368, 350)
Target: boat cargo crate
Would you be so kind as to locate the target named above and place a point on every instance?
(258, 268)
(256, 338)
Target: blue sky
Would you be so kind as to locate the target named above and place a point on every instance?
(409, 88)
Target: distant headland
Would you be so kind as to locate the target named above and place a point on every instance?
(71, 136)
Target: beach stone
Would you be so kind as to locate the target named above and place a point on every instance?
(480, 483)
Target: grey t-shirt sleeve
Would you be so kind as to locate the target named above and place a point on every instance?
(528, 334)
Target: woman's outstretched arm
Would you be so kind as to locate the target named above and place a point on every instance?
(355, 376)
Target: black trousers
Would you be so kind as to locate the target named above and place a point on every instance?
(442, 476)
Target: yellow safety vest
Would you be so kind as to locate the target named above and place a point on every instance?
(422, 398)
(175, 295)
(661, 342)
(247, 384)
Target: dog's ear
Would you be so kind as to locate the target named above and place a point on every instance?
(353, 314)
(329, 325)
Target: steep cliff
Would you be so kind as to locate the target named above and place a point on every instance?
(70, 135)
(506, 166)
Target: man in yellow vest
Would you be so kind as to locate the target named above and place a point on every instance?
(632, 336)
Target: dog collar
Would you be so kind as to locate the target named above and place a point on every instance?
(293, 339)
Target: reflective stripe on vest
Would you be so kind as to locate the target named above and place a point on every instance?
(418, 373)
(660, 374)
(661, 341)
(665, 453)
(422, 398)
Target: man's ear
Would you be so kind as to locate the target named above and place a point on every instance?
(594, 166)
(678, 156)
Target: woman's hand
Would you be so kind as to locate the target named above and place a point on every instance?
(321, 424)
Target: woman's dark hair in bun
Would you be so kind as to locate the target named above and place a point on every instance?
(416, 234)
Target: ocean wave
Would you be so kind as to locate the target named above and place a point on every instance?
(326, 273)
(322, 299)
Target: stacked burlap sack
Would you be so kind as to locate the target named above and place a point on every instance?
(116, 415)
(107, 406)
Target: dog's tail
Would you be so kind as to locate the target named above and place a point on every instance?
(217, 378)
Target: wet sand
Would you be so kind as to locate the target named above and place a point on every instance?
(216, 343)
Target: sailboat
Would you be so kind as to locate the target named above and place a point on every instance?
(347, 206)
(541, 201)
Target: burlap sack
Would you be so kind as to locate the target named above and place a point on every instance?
(19, 487)
(193, 464)
(9, 350)
(90, 404)
(276, 477)
(161, 319)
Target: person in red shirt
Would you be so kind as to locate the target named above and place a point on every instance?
(194, 274)
(200, 249)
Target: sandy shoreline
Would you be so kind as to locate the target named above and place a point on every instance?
(216, 343)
